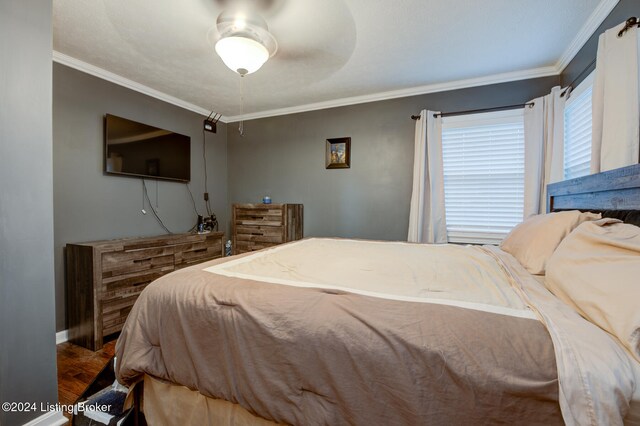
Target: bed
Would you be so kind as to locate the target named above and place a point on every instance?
(311, 332)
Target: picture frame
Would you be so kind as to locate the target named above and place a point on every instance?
(338, 153)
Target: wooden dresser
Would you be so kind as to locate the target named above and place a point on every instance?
(257, 226)
(104, 278)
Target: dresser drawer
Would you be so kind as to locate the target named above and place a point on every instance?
(265, 234)
(115, 324)
(268, 216)
(119, 285)
(245, 246)
(197, 252)
(128, 261)
(115, 311)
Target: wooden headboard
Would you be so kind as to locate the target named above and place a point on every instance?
(617, 190)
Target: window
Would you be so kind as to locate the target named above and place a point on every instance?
(577, 130)
(483, 158)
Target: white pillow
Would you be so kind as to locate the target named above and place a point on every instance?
(534, 240)
(596, 270)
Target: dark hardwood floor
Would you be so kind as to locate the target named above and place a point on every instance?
(77, 367)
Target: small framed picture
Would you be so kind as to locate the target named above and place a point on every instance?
(338, 154)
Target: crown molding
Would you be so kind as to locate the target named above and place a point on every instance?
(90, 69)
(589, 27)
(402, 93)
(95, 71)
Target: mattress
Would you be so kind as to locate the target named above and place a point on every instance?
(390, 332)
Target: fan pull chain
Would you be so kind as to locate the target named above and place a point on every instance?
(241, 126)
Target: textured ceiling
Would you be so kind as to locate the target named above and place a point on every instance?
(328, 49)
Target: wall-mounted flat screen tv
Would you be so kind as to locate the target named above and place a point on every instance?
(136, 149)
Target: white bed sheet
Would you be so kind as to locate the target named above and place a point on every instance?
(633, 416)
(463, 276)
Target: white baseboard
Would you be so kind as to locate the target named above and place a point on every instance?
(62, 336)
(52, 418)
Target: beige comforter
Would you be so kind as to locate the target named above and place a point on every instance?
(447, 337)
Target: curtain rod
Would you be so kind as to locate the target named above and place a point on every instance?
(569, 87)
(630, 23)
(473, 111)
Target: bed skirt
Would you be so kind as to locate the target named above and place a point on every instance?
(168, 404)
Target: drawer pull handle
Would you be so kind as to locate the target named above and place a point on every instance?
(200, 250)
(141, 260)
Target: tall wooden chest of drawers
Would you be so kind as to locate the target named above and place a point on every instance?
(104, 278)
(257, 226)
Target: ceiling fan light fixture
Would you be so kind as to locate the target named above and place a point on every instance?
(241, 54)
(244, 41)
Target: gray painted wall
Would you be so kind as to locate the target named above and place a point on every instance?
(27, 333)
(284, 157)
(89, 205)
(624, 10)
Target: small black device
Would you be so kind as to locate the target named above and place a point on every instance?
(210, 126)
(211, 122)
(210, 223)
(207, 224)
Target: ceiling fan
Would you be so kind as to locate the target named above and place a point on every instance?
(243, 40)
(296, 35)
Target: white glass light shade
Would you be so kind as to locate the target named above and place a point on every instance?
(243, 55)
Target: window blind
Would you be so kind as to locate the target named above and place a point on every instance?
(483, 159)
(577, 131)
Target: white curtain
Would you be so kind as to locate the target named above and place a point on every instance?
(615, 141)
(543, 149)
(427, 222)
